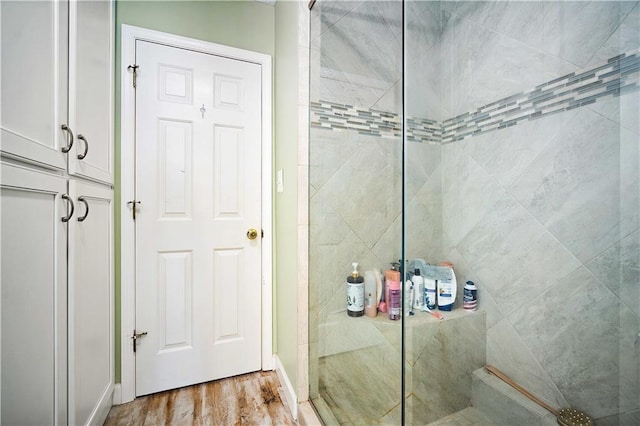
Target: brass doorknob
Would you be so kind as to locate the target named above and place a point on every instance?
(252, 234)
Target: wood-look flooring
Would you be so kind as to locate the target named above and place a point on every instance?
(250, 399)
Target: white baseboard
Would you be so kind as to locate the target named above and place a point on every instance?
(117, 394)
(290, 394)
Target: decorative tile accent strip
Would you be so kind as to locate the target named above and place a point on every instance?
(333, 116)
(423, 130)
(618, 76)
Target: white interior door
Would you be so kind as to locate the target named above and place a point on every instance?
(198, 181)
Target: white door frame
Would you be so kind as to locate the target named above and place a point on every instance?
(127, 178)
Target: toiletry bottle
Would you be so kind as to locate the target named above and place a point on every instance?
(382, 305)
(447, 289)
(470, 297)
(407, 291)
(430, 291)
(355, 293)
(395, 266)
(392, 280)
(408, 297)
(370, 293)
(379, 288)
(418, 289)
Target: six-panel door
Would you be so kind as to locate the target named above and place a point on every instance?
(198, 180)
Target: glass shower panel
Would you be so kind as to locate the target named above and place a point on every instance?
(355, 177)
(522, 141)
(440, 354)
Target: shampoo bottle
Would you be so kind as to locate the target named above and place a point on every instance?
(355, 293)
(395, 266)
(394, 301)
(447, 289)
(430, 291)
(418, 289)
(408, 296)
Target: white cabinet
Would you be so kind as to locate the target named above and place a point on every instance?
(91, 89)
(34, 45)
(57, 69)
(44, 311)
(91, 333)
(57, 306)
(34, 295)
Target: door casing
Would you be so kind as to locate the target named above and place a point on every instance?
(125, 391)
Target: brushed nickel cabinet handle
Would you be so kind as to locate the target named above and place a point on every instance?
(86, 147)
(67, 129)
(72, 208)
(86, 206)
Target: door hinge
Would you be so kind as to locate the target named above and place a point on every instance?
(134, 67)
(134, 207)
(135, 338)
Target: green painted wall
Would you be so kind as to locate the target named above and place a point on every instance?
(243, 24)
(286, 158)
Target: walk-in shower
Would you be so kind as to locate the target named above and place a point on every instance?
(500, 136)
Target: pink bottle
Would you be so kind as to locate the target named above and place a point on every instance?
(394, 294)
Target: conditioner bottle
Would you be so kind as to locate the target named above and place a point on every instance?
(447, 288)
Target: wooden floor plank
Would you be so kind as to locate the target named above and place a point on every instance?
(253, 408)
(250, 399)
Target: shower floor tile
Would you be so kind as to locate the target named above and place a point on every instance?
(467, 417)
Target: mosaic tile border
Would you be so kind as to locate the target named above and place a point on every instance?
(333, 116)
(618, 76)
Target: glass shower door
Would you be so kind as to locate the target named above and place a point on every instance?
(355, 177)
(522, 140)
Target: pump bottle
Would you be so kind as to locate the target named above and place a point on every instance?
(355, 293)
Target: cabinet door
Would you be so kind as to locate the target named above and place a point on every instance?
(34, 297)
(91, 88)
(91, 331)
(33, 46)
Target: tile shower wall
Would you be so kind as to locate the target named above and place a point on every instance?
(355, 208)
(544, 215)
